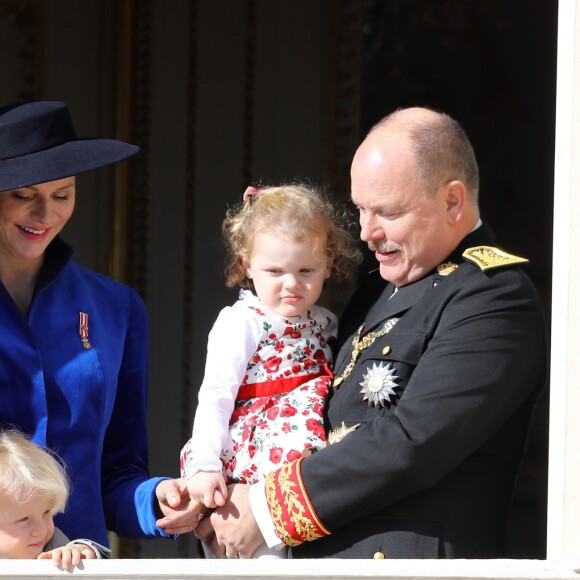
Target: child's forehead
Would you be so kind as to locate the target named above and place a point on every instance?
(287, 250)
(24, 499)
(315, 238)
(11, 507)
(291, 230)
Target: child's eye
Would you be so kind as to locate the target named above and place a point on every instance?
(307, 270)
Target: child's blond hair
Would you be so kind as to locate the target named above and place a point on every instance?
(295, 210)
(27, 469)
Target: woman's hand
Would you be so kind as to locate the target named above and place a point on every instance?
(181, 512)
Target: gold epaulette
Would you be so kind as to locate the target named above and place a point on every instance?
(487, 257)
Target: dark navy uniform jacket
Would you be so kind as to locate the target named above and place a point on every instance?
(430, 472)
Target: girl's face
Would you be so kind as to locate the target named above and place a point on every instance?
(26, 525)
(288, 275)
(31, 217)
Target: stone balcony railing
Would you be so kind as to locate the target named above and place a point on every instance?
(196, 569)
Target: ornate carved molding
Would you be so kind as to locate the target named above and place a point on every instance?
(131, 211)
(141, 19)
(344, 99)
(343, 123)
(24, 19)
(249, 89)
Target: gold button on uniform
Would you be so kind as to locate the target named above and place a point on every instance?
(387, 350)
(378, 556)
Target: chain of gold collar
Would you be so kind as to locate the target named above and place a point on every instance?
(359, 344)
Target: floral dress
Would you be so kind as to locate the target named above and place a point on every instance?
(277, 404)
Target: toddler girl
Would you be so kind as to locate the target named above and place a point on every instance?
(33, 488)
(267, 370)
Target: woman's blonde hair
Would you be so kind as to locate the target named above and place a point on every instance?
(297, 211)
(27, 469)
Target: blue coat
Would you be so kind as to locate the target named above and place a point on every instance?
(86, 404)
(430, 472)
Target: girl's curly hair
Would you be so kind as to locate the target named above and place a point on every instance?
(295, 211)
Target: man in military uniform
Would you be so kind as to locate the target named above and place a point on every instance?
(442, 354)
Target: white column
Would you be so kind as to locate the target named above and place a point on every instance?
(564, 460)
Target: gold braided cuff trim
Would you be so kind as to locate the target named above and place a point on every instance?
(292, 512)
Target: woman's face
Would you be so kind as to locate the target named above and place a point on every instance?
(31, 217)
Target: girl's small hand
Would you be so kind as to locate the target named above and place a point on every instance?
(69, 556)
(209, 488)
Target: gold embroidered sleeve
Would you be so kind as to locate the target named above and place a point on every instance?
(294, 516)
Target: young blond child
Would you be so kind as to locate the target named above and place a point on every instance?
(33, 488)
(267, 372)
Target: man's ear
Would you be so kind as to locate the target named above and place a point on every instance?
(455, 200)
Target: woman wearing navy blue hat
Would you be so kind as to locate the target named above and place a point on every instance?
(74, 347)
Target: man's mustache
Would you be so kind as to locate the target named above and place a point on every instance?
(384, 247)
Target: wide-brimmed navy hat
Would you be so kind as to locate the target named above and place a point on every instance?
(38, 143)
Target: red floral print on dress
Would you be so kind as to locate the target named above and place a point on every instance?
(276, 455)
(285, 423)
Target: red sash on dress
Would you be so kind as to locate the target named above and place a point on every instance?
(279, 386)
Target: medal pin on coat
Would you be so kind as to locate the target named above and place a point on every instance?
(84, 330)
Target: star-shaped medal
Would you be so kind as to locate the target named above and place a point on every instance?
(378, 384)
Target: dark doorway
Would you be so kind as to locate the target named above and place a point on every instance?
(491, 65)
